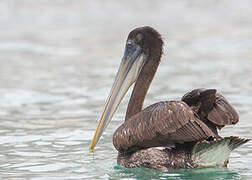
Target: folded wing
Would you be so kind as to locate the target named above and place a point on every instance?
(211, 107)
(159, 125)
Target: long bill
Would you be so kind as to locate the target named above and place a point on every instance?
(129, 69)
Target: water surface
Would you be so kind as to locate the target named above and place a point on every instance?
(58, 61)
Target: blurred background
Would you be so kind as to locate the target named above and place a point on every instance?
(58, 60)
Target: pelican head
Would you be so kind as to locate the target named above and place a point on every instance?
(143, 45)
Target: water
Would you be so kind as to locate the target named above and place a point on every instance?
(57, 64)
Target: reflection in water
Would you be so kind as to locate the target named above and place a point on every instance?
(181, 174)
(59, 58)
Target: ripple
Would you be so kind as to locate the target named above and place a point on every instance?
(19, 97)
(58, 61)
(45, 167)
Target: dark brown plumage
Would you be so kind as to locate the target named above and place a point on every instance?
(160, 124)
(164, 159)
(211, 107)
(161, 159)
(179, 125)
(152, 45)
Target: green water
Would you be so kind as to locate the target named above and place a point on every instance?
(58, 61)
(181, 174)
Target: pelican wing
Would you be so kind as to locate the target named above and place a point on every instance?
(211, 106)
(200, 99)
(223, 113)
(160, 124)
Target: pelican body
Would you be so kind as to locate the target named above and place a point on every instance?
(168, 134)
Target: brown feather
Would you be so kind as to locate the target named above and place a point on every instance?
(158, 125)
(211, 107)
(159, 159)
(183, 156)
(223, 113)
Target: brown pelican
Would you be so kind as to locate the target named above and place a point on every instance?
(167, 134)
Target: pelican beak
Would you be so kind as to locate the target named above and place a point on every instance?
(130, 67)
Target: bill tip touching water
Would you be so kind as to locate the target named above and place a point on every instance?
(187, 129)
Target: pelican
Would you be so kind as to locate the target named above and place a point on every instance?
(168, 134)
